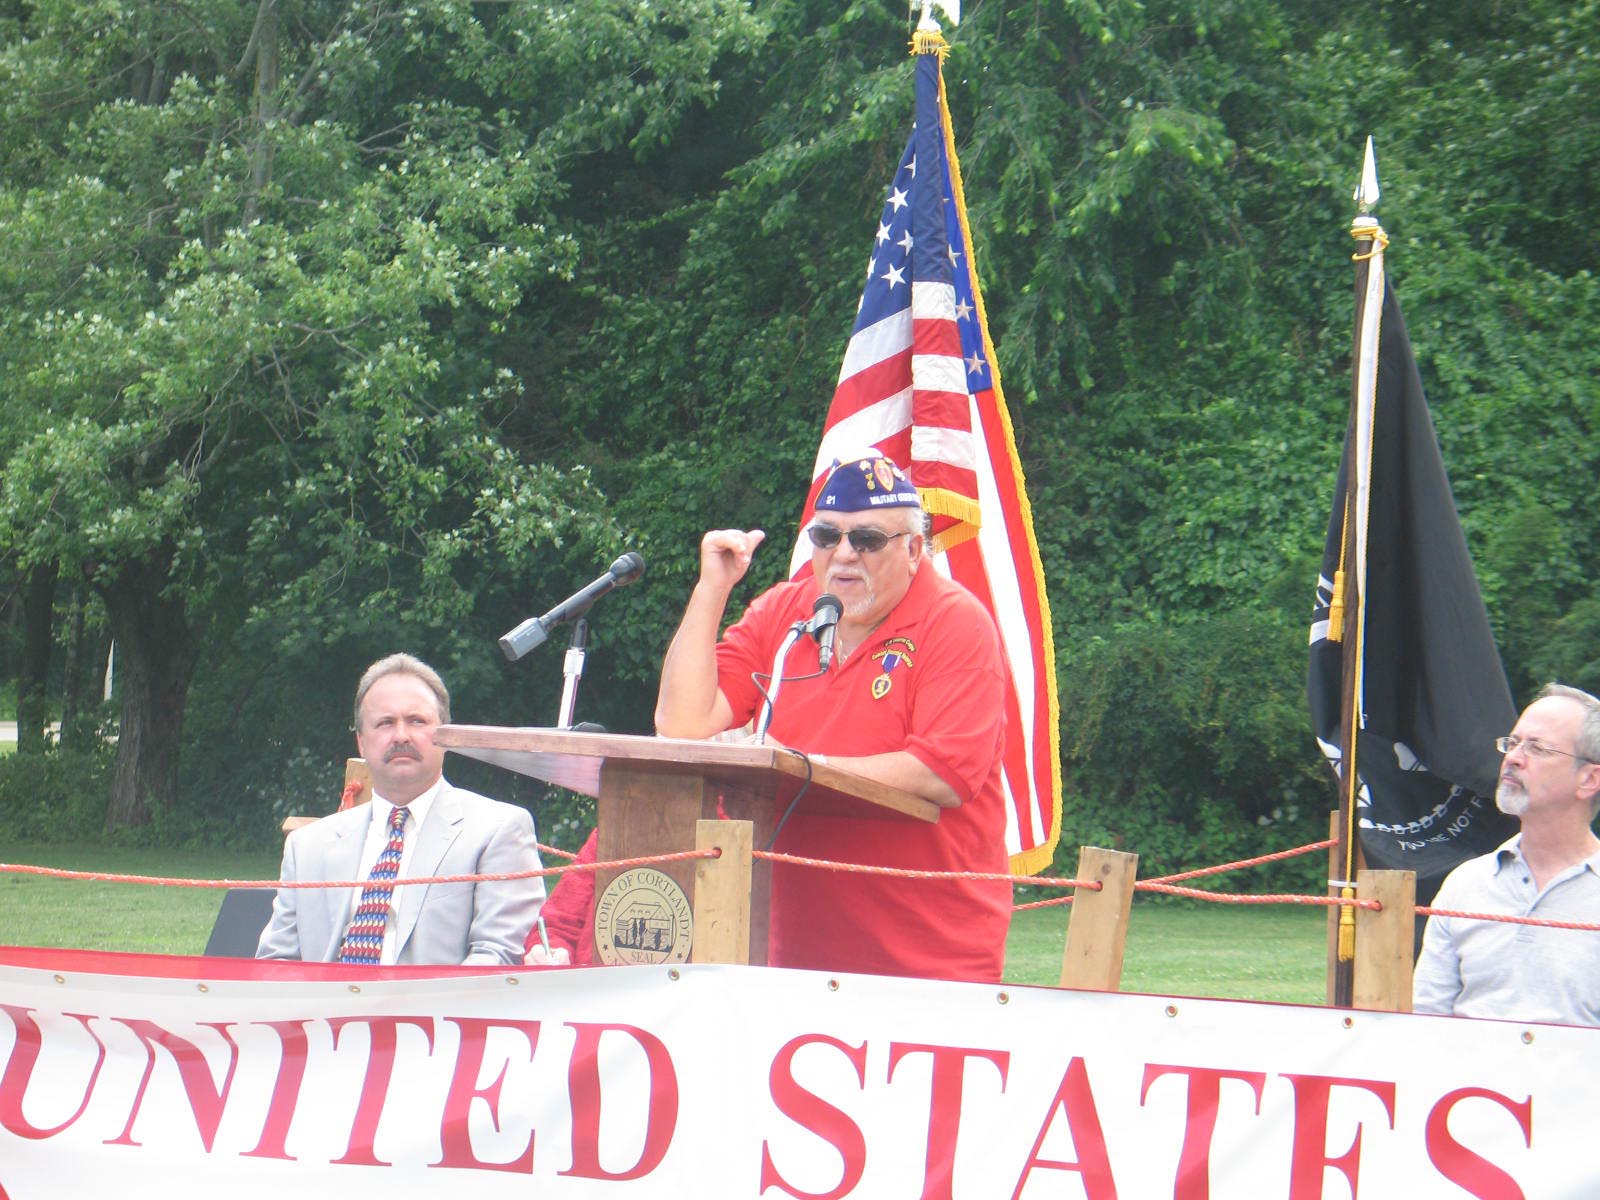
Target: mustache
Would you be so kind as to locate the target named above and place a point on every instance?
(402, 750)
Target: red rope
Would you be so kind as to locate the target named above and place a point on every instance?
(1164, 883)
(1223, 898)
(167, 881)
(1161, 884)
(1150, 884)
(1424, 910)
(1051, 902)
(1243, 862)
(908, 873)
(621, 864)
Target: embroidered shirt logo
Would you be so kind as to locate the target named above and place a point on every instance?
(896, 653)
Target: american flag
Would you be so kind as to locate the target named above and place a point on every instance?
(920, 383)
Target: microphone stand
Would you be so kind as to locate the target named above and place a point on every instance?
(769, 698)
(572, 671)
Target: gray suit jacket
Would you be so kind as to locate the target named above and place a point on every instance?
(436, 924)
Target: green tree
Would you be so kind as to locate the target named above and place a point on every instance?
(264, 262)
(330, 326)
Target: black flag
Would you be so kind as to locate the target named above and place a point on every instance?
(1434, 693)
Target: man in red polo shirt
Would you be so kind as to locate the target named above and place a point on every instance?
(914, 698)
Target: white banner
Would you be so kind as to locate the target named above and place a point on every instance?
(148, 1077)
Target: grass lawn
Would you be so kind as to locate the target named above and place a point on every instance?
(1192, 948)
(1185, 947)
(119, 916)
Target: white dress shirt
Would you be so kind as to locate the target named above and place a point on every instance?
(378, 838)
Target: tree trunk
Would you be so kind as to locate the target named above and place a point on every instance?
(38, 630)
(266, 101)
(80, 696)
(156, 653)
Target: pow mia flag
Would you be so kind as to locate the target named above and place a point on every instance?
(1434, 695)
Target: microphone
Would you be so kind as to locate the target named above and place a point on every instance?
(824, 625)
(535, 631)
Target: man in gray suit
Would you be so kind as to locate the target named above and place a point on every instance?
(416, 825)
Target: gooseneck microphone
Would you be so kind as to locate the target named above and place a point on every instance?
(535, 631)
(824, 626)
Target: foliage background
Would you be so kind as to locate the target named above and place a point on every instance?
(399, 333)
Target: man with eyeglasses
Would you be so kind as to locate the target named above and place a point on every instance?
(915, 698)
(1550, 781)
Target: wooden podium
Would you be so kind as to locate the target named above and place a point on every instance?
(652, 791)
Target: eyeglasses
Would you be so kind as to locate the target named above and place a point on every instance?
(863, 541)
(1533, 749)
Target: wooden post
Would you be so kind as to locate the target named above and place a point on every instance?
(1097, 931)
(1385, 941)
(722, 893)
(354, 769)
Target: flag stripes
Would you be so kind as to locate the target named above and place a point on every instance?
(918, 382)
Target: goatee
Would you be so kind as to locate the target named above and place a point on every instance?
(1511, 799)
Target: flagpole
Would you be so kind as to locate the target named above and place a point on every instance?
(1347, 612)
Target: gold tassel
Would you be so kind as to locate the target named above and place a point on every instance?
(1347, 925)
(1363, 231)
(1336, 609)
(930, 41)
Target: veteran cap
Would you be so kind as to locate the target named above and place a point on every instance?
(865, 482)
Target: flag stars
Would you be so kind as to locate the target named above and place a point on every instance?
(883, 233)
(954, 254)
(894, 275)
(963, 310)
(897, 199)
(905, 243)
(974, 364)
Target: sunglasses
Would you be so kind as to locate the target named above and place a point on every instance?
(863, 541)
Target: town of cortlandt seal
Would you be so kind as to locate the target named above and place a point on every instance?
(643, 917)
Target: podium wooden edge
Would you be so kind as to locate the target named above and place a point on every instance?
(688, 754)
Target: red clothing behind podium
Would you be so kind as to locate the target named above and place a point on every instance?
(568, 912)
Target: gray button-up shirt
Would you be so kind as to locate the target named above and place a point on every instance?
(1516, 972)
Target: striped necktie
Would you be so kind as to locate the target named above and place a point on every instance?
(363, 943)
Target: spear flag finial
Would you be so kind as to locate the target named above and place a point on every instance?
(950, 8)
(1366, 193)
